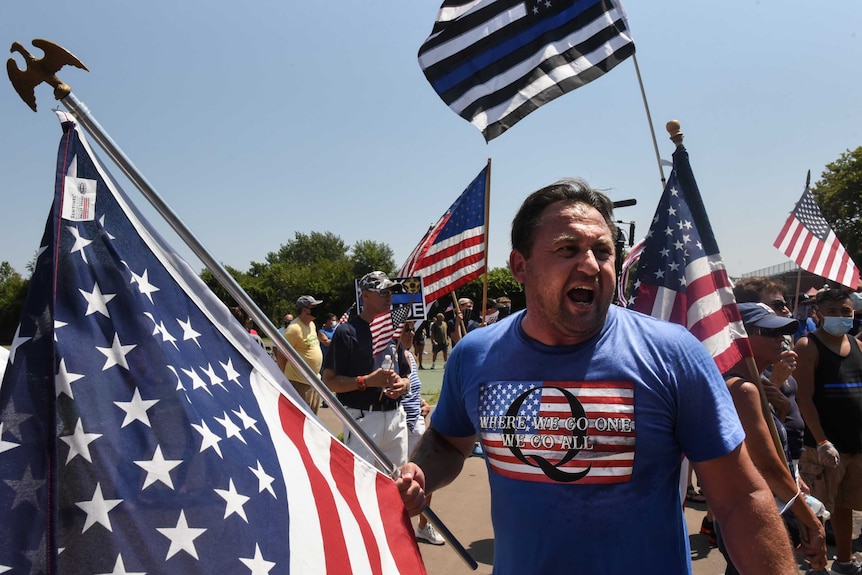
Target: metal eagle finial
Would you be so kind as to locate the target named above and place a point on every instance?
(40, 70)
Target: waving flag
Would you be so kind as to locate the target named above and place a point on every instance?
(495, 61)
(452, 253)
(628, 263)
(807, 239)
(681, 276)
(143, 431)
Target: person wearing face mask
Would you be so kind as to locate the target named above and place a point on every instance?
(829, 378)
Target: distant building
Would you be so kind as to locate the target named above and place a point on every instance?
(788, 273)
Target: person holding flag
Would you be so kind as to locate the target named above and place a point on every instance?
(585, 410)
(369, 390)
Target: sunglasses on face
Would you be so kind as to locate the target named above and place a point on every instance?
(382, 292)
(778, 305)
(770, 333)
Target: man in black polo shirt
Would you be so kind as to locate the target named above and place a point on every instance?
(371, 394)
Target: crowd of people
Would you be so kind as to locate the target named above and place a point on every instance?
(584, 410)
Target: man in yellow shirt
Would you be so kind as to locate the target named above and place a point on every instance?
(301, 334)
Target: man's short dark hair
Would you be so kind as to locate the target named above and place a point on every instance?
(831, 294)
(570, 191)
(754, 289)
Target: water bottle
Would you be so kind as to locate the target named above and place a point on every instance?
(817, 507)
(387, 363)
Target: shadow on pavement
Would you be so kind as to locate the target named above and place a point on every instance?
(482, 551)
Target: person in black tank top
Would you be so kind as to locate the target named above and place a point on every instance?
(829, 378)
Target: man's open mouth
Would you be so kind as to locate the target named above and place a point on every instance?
(581, 295)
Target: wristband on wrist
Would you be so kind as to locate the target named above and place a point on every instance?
(360, 383)
(790, 503)
(822, 443)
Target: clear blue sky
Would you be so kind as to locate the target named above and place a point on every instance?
(257, 120)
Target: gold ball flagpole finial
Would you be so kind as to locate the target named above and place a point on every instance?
(40, 70)
(674, 129)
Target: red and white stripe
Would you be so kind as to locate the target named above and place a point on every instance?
(826, 258)
(610, 458)
(348, 516)
(382, 332)
(448, 265)
(707, 308)
(631, 261)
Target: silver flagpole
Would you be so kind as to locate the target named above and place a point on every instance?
(25, 82)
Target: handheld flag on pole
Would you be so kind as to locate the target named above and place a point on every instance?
(387, 326)
(496, 61)
(452, 252)
(807, 239)
(142, 430)
(346, 315)
(681, 276)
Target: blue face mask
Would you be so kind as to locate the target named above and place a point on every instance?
(837, 325)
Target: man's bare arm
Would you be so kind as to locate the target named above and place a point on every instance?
(377, 378)
(743, 505)
(441, 457)
(437, 461)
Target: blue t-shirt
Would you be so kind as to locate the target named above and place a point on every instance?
(583, 443)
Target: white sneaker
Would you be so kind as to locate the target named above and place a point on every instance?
(429, 535)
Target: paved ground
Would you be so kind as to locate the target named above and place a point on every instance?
(464, 507)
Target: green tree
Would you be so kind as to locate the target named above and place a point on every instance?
(320, 264)
(839, 195)
(308, 249)
(13, 294)
(500, 283)
(369, 256)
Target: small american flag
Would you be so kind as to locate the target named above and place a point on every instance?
(807, 239)
(346, 315)
(452, 252)
(631, 261)
(560, 431)
(387, 326)
(142, 429)
(681, 276)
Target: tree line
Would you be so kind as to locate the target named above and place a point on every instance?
(321, 264)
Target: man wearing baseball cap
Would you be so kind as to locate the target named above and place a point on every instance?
(301, 334)
(370, 393)
(766, 331)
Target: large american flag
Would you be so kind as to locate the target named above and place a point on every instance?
(807, 239)
(143, 431)
(494, 62)
(452, 253)
(681, 276)
(559, 431)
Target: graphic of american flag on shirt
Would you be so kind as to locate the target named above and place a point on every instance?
(561, 431)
